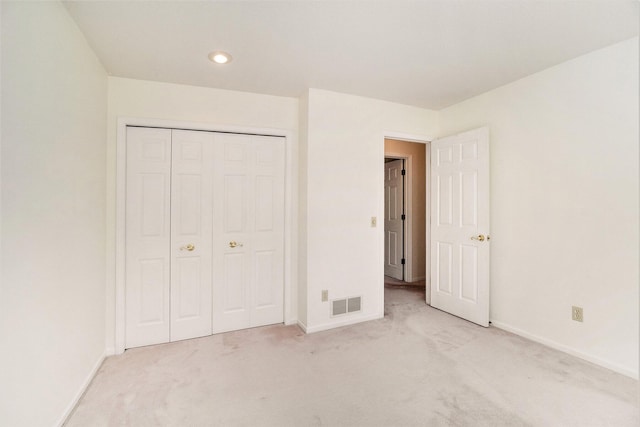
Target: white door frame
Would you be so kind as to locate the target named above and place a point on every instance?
(420, 139)
(290, 220)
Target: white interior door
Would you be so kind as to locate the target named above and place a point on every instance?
(393, 222)
(191, 228)
(248, 232)
(148, 236)
(460, 246)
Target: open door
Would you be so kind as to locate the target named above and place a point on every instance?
(460, 241)
(394, 219)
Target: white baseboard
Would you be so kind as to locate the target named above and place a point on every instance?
(81, 391)
(302, 326)
(110, 351)
(292, 321)
(346, 322)
(566, 349)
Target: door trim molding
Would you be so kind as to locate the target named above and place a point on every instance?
(290, 220)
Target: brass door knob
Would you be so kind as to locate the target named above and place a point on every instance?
(189, 247)
(479, 237)
(233, 244)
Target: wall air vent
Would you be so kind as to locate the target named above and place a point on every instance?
(353, 304)
(339, 307)
(343, 306)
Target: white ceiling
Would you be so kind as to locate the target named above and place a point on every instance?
(429, 54)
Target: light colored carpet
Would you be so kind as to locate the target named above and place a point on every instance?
(390, 281)
(416, 367)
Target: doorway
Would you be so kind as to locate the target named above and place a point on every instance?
(410, 247)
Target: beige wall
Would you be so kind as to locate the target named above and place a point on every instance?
(52, 301)
(344, 151)
(564, 203)
(417, 172)
(302, 207)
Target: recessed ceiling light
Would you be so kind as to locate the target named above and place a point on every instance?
(220, 57)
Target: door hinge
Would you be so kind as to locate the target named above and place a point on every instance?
(404, 172)
(403, 217)
(402, 261)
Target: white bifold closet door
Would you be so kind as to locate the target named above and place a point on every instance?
(204, 233)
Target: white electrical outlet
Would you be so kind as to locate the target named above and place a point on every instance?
(374, 221)
(577, 314)
(325, 295)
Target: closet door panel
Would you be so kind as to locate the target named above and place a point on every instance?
(191, 222)
(147, 236)
(267, 305)
(231, 243)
